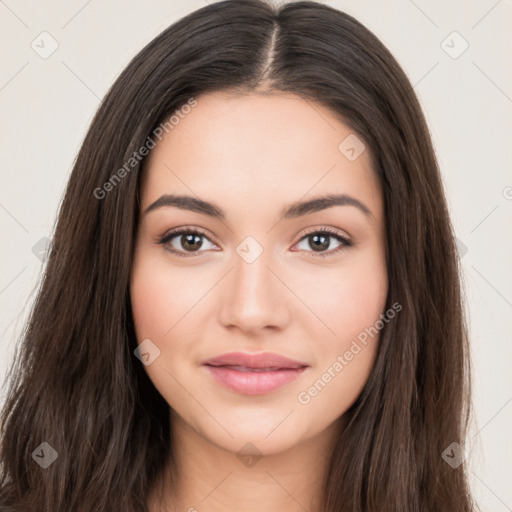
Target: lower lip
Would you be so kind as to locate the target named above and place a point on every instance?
(254, 383)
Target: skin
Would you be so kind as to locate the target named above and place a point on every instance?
(252, 156)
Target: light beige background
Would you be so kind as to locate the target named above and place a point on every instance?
(46, 105)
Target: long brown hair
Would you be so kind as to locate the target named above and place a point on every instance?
(76, 383)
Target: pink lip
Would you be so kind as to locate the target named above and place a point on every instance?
(283, 370)
(262, 360)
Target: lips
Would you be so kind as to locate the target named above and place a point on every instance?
(254, 374)
(266, 360)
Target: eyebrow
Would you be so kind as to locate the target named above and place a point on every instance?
(291, 211)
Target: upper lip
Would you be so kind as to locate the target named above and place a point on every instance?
(262, 360)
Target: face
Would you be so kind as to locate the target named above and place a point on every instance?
(255, 273)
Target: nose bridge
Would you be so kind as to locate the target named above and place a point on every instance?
(254, 297)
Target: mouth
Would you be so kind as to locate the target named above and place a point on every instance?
(254, 374)
(246, 369)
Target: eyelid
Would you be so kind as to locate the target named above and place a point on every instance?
(186, 229)
(324, 229)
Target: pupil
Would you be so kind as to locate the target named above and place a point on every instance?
(192, 241)
(318, 245)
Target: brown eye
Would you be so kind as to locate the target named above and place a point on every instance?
(321, 241)
(184, 241)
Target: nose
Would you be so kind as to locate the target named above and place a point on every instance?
(253, 297)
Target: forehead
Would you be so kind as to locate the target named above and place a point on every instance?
(243, 148)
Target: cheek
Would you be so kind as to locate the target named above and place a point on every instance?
(348, 299)
(161, 295)
(346, 355)
(152, 304)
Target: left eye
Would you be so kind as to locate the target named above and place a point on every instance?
(320, 242)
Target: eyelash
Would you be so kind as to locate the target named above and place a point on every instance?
(345, 243)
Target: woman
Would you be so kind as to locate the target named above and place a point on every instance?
(252, 298)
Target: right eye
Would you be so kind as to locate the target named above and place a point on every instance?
(184, 240)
